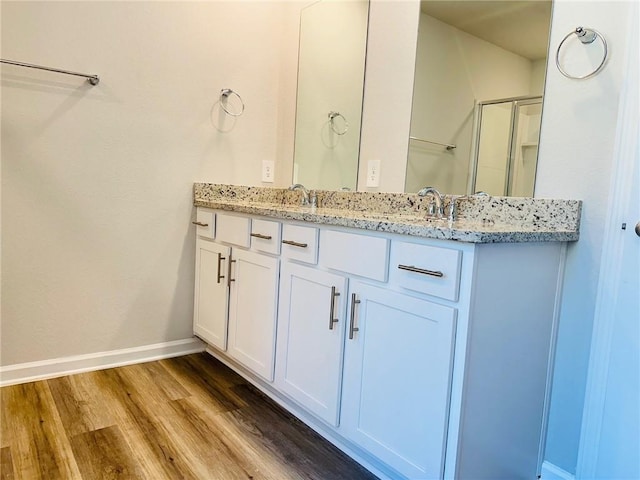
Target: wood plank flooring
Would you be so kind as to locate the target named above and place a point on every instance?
(183, 418)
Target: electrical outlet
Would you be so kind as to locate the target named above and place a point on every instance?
(373, 173)
(267, 171)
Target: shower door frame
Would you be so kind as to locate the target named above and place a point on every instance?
(515, 103)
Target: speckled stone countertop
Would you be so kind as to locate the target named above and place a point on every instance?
(479, 219)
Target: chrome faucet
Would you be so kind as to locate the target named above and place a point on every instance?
(305, 193)
(436, 208)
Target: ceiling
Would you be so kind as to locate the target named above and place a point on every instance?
(522, 27)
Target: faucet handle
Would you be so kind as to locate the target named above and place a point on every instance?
(453, 206)
(313, 198)
(432, 208)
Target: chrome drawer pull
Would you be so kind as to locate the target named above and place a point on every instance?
(332, 320)
(352, 318)
(200, 224)
(411, 268)
(259, 235)
(220, 258)
(295, 244)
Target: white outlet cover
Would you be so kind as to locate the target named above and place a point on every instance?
(373, 173)
(267, 171)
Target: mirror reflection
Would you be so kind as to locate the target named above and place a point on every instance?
(507, 146)
(333, 38)
(479, 80)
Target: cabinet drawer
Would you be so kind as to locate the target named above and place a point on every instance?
(353, 253)
(205, 222)
(426, 269)
(300, 243)
(233, 229)
(265, 236)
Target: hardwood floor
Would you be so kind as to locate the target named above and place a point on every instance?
(182, 418)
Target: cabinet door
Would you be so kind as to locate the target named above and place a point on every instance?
(311, 339)
(397, 379)
(252, 311)
(210, 299)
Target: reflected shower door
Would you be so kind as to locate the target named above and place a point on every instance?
(524, 148)
(493, 148)
(507, 146)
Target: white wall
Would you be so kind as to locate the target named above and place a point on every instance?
(388, 90)
(576, 154)
(538, 72)
(97, 246)
(287, 84)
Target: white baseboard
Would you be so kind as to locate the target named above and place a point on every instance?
(552, 472)
(57, 367)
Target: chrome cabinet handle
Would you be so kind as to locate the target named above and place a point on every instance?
(229, 279)
(200, 224)
(637, 229)
(411, 268)
(332, 307)
(259, 235)
(352, 317)
(220, 258)
(295, 244)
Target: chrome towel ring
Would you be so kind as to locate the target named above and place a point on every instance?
(332, 116)
(586, 36)
(225, 93)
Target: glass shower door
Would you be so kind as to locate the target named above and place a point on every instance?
(507, 146)
(524, 148)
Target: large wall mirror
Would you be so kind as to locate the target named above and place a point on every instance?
(478, 87)
(477, 99)
(333, 41)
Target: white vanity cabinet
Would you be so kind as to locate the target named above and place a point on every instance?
(236, 292)
(421, 358)
(311, 338)
(310, 326)
(253, 295)
(211, 293)
(398, 352)
(397, 375)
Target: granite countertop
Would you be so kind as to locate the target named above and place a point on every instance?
(479, 219)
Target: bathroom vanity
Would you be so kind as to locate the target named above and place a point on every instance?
(420, 348)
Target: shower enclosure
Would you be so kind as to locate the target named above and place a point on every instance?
(506, 146)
